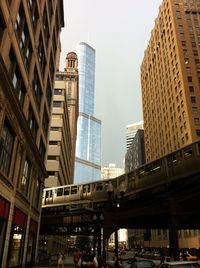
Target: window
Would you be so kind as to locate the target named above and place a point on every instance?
(42, 150)
(19, 23)
(55, 128)
(51, 157)
(16, 78)
(53, 142)
(41, 56)
(74, 190)
(189, 78)
(6, 148)
(32, 123)
(49, 93)
(25, 177)
(2, 25)
(57, 104)
(51, 173)
(193, 99)
(57, 91)
(198, 132)
(197, 121)
(36, 196)
(45, 121)
(195, 110)
(191, 88)
(34, 12)
(23, 36)
(37, 91)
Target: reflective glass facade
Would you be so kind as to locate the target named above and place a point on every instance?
(86, 68)
(88, 144)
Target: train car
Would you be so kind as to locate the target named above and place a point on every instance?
(183, 161)
(61, 194)
(90, 191)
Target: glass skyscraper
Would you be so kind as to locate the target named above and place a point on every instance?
(88, 144)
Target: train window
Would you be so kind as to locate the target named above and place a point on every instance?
(99, 187)
(66, 191)
(172, 160)
(142, 172)
(187, 152)
(49, 193)
(74, 190)
(59, 191)
(84, 189)
(156, 166)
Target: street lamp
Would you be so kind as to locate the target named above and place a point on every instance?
(115, 199)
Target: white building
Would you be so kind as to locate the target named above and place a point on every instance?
(111, 171)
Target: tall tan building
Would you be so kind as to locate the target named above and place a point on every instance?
(170, 79)
(62, 141)
(29, 47)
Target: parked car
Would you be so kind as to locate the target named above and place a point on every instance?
(126, 263)
(189, 257)
(180, 264)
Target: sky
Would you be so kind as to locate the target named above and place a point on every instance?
(119, 31)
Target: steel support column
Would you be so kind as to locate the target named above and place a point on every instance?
(173, 232)
(116, 243)
(104, 246)
(99, 241)
(94, 242)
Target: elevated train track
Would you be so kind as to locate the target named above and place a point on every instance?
(163, 194)
(154, 191)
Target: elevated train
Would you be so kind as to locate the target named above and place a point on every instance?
(183, 162)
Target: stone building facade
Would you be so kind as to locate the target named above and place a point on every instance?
(29, 47)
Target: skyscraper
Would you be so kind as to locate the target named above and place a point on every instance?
(62, 140)
(131, 131)
(170, 79)
(29, 47)
(88, 145)
(135, 155)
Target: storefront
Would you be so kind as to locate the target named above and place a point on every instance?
(4, 212)
(17, 238)
(30, 257)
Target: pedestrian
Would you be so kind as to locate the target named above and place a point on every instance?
(60, 260)
(76, 258)
(88, 260)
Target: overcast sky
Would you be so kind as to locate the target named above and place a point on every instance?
(119, 31)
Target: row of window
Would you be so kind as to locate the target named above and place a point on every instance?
(7, 140)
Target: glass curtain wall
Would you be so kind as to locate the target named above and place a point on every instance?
(88, 144)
